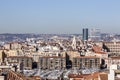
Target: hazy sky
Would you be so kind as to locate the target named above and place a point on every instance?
(59, 16)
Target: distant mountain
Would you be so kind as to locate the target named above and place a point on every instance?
(12, 37)
(20, 37)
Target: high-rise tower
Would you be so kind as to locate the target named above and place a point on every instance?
(85, 34)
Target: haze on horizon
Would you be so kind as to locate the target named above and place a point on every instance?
(59, 16)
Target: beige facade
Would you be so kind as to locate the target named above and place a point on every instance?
(1, 55)
(11, 52)
(86, 62)
(113, 47)
(53, 62)
(17, 60)
(73, 54)
(13, 45)
(7, 53)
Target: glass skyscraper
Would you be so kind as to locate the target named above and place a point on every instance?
(85, 34)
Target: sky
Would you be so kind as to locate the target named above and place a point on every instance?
(59, 16)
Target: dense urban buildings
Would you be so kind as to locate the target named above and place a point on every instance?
(60, 57)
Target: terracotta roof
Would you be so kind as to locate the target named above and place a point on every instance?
(19, 57)
(84, 76)
(96, 76)
(98, 50)
(92, 76)
(103, 76)
(78, 79)
(36, 77)
(77, 75)
(86, 57)
(52, 57)
(12, 62)
(115, 57)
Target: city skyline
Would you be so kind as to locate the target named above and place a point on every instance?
(59, 17)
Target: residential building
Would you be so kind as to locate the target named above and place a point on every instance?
(20, 61)
(52, 62)
(86, 62)
(113, 48)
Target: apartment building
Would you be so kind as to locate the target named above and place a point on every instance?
(113, 48)
(52, 62)
(17, 60)
(13, 45)
(86, 62)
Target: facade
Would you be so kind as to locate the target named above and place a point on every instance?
(13, 45)
(85, 34)
(115, 60)
(86, 62)
(113, 48)
(52, 62)
(17, 60)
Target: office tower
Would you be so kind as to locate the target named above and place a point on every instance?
(85, 33)
(95, 34)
